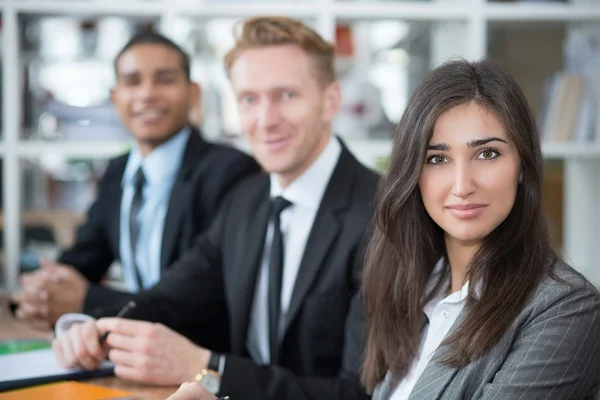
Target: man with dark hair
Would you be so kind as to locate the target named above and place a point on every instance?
(151, 202)
(151, 37)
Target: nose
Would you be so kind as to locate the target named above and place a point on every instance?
(146, 90)
(268, 114)
(464, 184)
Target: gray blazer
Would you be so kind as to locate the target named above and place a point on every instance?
(552, 351)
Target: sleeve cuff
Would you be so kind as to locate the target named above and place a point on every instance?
(221, 365)
(64, 323)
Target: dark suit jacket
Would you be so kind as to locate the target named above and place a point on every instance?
(207, 172)
(207, 295)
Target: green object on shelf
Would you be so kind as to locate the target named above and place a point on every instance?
(20, 346)
(382, 163)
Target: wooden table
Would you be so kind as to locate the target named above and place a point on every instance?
(12, 329)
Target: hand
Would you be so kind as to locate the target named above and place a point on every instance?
(32, 299)
(67, 292)
(151, 353)
(191, 391)
(50, 292)
(79, 346)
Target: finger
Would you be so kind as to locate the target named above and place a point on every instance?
(120, 341)
(35, 278)
(131, 373)
(124, 326)
(37, 292)
(46, 263)
(66, 344)
(90, 338)
(191, 391)
(60, 273)
(84, 358)
(28, 311)
(31, 278)
(126, 358)
(59, 353)
(25, 294)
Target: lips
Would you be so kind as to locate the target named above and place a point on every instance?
(466, 211)
(277, 144)
(150, 115)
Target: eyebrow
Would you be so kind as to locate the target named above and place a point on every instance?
(157, 72)
(471, 144)
(166, 71)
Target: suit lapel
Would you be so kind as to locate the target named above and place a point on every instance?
(253, 228)
(324, 232)
(178, 201)
(114, 206)
(436, 376)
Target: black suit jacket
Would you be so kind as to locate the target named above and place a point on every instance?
(207, 295)
(207, 172)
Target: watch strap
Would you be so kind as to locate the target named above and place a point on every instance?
(213, 362)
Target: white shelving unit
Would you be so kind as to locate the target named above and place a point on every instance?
(461, 29)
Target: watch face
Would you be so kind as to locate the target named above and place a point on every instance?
(211, 383)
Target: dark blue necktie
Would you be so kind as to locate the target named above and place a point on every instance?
(136, 205)
(275, 276)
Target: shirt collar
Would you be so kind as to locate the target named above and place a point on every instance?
(308, 188)
(161, 163)
(457, 297)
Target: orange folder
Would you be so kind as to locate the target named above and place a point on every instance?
(66, 391)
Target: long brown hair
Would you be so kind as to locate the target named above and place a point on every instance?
(406, 243)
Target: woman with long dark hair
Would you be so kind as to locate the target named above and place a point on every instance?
(464, 296)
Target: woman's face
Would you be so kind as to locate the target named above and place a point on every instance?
(470, 177)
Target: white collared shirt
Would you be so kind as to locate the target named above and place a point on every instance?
(441, 313)
(305, 193)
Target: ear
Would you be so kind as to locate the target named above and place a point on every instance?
(195, 111)
(521, 177)
(333, 99)
(113, 95)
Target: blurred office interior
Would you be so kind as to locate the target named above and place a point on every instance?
(59, 127)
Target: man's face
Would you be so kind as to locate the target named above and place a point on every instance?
(285, 110)
(152, 94)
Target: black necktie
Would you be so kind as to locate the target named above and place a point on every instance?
(275, 275)
(136, 204)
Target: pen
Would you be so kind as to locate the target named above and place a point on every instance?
(126, 308)
(223, 398)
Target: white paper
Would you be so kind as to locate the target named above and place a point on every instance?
(35, 363)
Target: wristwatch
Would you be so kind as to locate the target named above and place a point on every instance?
(210, 377)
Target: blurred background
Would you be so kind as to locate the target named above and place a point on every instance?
(59, 127)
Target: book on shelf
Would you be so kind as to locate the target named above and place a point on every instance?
(566, 115)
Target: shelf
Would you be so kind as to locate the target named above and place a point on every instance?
(234, 10)
(541, 12)
(107, 7)
(421, 11)
(76, 149)
(554, 151)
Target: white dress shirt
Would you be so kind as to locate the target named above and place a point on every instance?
(305, 193)
(441, 313)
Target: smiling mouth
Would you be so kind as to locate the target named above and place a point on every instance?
(150, 114)
(277, 144)
(467, 211)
